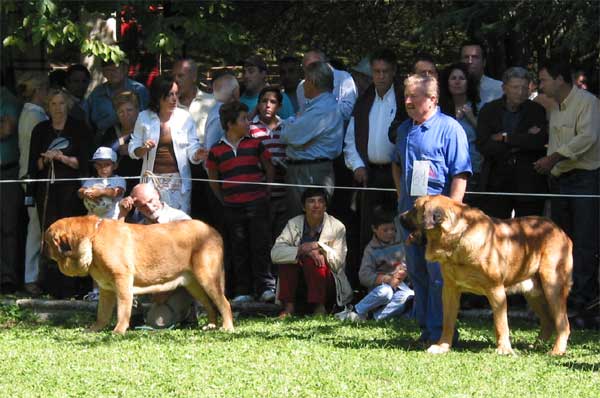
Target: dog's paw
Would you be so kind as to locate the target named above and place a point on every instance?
(120, 329)
(555, 351)
(209, 326)
(93, 328)
(439, 349)
(505, 350)
(227, 326)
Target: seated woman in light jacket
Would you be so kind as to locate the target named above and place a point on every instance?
(165, 138)
(313, 246)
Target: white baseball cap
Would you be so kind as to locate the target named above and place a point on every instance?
(105, 153)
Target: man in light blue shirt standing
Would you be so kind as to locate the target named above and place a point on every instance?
(225, 89)
(314, 138)
(99, 104)
(344, 90)
(431, 158)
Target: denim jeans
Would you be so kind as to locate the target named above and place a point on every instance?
(385, 302)
(579, 218)
(427, 283)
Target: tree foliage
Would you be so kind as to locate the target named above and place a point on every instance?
(516, 32)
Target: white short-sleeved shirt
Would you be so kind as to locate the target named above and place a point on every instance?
(104, 207)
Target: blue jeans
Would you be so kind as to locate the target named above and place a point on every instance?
(385, 301)
(579, 218)
(427, 283)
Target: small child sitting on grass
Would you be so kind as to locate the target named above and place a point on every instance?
(101, 195)
(382, 271)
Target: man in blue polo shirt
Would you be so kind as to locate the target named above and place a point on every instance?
(431, 157)
(99, 104)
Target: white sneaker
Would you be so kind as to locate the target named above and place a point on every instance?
(343, 315)
(242, 298)
(268, 296)
(355, 317)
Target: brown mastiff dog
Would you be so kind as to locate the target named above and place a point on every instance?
(492, 257)
(129, 259)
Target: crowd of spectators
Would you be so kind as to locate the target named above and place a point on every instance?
(452, 131)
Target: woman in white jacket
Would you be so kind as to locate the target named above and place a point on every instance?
(165, 138)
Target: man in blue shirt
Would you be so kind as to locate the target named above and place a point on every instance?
(314, 138)
(100, 108)
(344, 89)
(431, 158)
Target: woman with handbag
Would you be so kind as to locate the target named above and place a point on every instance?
(59, 150)
(165, 138)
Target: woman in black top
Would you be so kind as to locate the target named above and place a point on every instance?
(59, 149)
(117, 137)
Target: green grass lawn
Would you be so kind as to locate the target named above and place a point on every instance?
(298, 357)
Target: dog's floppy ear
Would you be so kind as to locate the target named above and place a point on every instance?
(432, 217)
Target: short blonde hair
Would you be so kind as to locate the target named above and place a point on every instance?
(53, 92)
(29, 82)
(428, 84)
(125, 97)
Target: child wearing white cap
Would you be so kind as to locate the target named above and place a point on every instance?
(101, 195)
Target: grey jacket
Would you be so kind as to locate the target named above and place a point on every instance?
(379, 258)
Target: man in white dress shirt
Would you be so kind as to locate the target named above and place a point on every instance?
(198, 103)
(473, 54)
(367, 149)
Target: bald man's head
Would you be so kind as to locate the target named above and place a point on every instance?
(146, 200)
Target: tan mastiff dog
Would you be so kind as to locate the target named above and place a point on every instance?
(492, 257)
(131, 259)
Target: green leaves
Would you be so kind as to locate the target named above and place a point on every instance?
(105, 51)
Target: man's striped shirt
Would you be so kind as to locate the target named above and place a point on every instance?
(241, 164)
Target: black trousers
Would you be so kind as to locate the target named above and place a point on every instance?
(11, 206)
(378, 177)
(249, 233)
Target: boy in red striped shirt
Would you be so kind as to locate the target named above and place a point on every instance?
(238, 160)
(265, 126)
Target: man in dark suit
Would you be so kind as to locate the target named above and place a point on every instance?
(512, 133)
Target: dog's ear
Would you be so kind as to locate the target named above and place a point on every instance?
(432, 217)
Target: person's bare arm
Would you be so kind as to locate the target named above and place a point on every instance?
(125, 206)
(396, 175)
(213, 175)
(458, 186)
(269, 171)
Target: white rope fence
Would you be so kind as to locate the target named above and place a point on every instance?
(335, 187)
